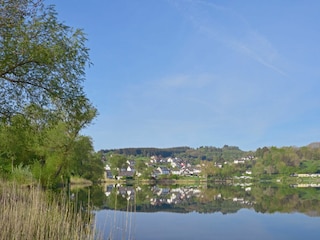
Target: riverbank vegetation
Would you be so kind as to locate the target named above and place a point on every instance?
(43, 109)
(31, 213)
(43, 106)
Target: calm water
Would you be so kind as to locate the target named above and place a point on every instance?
(245, 224)
(208, 212)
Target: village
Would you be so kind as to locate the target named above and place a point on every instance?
(174, 167)
(157, 166)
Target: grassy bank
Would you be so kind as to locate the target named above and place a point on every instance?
(29, 213)
(80, 181)
(164, 179)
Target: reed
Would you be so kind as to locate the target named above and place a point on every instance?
(31, 213)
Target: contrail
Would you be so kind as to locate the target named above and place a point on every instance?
(214, 28)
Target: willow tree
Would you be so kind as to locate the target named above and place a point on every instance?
(42, 69)
(42, 61)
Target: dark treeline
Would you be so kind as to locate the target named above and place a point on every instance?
(208, 153)
(147, 152)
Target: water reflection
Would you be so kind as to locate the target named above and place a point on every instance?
(215, 198)
(139, 211)
(245, 224)
(264, 198)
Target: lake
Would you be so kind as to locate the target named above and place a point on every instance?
(244, 211)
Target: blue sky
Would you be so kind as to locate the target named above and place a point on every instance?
(201, 73)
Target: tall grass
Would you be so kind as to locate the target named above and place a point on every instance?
(29, 213)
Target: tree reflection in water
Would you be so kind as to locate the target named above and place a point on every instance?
(226, 199)
(127, 209)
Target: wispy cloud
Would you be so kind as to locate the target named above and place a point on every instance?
(214, 21)
(184, 81)
(259, 49)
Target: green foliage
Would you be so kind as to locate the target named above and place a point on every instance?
(92, 167)
(17, 140)
(218, 155)
(140, 165)
(68, 158)
(117, 161)
(43, 106)
(287, 160)
(22, 175)
(310, 166)
(42, 60)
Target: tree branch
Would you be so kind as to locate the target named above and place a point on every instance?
(24, 82)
